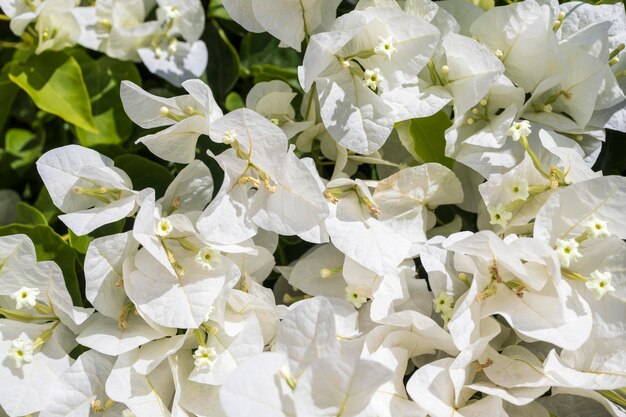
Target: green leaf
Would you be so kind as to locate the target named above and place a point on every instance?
(425, 138)
(234, 101)
(8, 91)
(223, 72)
(145, 173)
(46, 207)
(27, 214)
(262, 49)
(80, 243)
(51, 247)
(55, 82)
(103, 78)
(21, 143)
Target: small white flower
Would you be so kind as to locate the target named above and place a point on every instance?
(204, 357)
(444, 304)
(128, 413)
(230, 137)
(171, 12)
(499, 215)
(208, 258)
(372, 78)
(600, 283)
(518, 188)
(519, 129)
(596, 228)
(25, 297)
(164, 227)
(21, 350)
(356, 296)
(567, 251)
(385, 47)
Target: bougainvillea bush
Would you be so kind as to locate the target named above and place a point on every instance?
(312, 208)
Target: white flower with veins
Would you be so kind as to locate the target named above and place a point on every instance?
(25, 297)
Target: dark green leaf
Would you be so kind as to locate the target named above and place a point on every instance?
(8, 91)
(223, 71)
(145, 173)
(103, 78)
(27, 214)
(234, 101)
(425, 139)
(46, 207)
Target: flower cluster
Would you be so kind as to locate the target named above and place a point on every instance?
(397, 306)
(168, 46)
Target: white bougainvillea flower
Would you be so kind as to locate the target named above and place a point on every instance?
(176, 61)
(478, 138)
(181, 299)
(290, 21)
(115, 27)
(518, 291)
(104, 275)
(31, 368)
(339, 386)
(85, 185)
(307, 333)
(188, 117)
(432, 388)
(55, 25)
(82, 389)
(406, 199)
(272, 99)
(521, 36)
(355, 229)
(565, 214)
(465, 68)
(288, 199)
(144, 394)
(366, 90)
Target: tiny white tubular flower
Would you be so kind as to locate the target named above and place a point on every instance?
(444, 303)
(25, 297)
(519, 129)
(164, 227)
(208, 258)
(21, 350)
(356, 296)
(600, 283)
(567, 250)
(385, 47)
(517, 188)
(371, 78)
(128, 413)
(204, 357)
(596, 228)
(499, 215)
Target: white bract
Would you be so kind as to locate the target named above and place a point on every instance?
(424, 236)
